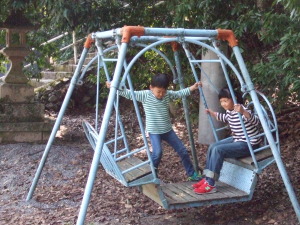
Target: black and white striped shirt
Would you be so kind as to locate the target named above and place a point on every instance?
(251, 125)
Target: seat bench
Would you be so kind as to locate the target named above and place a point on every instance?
(247, 162)
(136, 173)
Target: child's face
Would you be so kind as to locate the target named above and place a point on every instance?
(227, 103)
(158, 92)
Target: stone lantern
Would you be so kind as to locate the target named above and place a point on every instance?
(21, 118)
(16, 26)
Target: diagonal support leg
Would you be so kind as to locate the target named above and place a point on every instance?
(57, 123)
(102, 134)
(269, 136)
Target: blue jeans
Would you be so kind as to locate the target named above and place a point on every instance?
(223, 149)
(172, 139)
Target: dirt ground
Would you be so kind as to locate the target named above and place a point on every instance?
(59, 192)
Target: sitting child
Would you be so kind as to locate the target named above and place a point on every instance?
(233, 147)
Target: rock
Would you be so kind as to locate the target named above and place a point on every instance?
(271, 221)
(52, 98)
(84, 96)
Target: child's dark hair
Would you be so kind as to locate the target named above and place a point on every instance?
(225, 93)
(160, 80)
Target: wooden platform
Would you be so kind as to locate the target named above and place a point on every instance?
(181, 195)
(136, 173)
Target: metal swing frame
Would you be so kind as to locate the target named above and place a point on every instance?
(129, 34)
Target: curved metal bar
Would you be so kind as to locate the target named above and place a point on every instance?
(274, 120)
(273, 115)
(194, 72)
(142, 52)
(164, 57)
(150, 47)
(222, 56)
(92, 61)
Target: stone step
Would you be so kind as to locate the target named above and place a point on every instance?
(55, 75)
(64, 67)
(89, 56)
(38, 83)
(86, 61)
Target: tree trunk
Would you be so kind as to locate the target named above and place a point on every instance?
(215, 74)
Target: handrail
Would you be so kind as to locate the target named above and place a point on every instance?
(55, 38)
(63, 48)
(70, 45)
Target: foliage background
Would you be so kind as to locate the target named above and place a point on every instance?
(268, 31)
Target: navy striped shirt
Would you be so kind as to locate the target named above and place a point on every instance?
(158, 119)
(251, 125)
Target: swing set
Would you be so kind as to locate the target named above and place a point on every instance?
(238, 177)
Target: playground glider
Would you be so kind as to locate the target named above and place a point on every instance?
(238, 177)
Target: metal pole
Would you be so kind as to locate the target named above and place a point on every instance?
(57, 123)
(190, 58)
(102, 134)
(186, 111)
(268, 133)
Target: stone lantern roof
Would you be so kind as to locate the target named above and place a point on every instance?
(17, 21)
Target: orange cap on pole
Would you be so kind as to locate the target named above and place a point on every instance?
(227, 35)
(175, 46)
(129, 31)
(89, 41)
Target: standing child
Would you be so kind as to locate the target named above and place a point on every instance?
(158, 122)
(233, 147)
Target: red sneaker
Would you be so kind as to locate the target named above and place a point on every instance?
(205, 189)
(199, 184)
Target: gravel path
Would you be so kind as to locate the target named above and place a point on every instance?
(59, 192)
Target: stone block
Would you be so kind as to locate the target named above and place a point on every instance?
(26, 132)
(21, 112)
(16, 92)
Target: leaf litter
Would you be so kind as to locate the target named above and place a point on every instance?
(60, 189)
